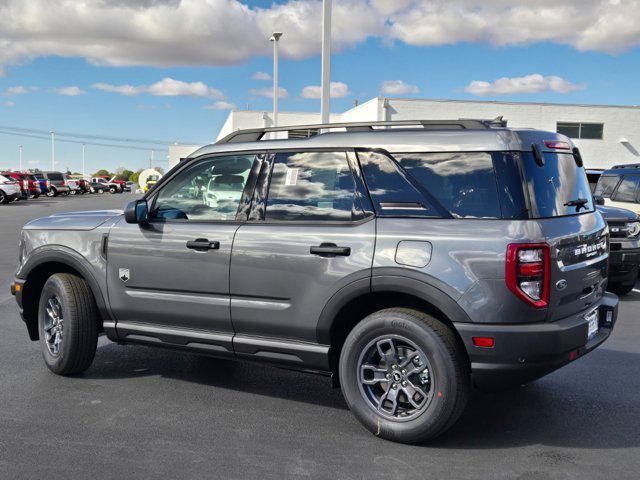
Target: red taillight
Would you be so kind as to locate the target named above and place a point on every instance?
(63, 183)
(527, 272)
(557, 145)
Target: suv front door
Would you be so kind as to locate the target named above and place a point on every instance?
(168, 280)
(312, 235)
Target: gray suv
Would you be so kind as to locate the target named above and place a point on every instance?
(407, 263)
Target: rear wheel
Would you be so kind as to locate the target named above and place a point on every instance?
(68, 324)
(403, 375)
(52, 192)
(3, 197)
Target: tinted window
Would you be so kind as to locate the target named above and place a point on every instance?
(391, 192)
(207, 190)
(606, 185)
(593, 131)
(311, 186)
(55, 176)
(464, 183)
(571, 130)
(626, 192)
(556, 183)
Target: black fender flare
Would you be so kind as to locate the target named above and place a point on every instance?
(70, 258)
(394, 282)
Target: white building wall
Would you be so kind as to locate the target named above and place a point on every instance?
(176, 152)
(620, 122)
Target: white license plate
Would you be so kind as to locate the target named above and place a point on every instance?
(592, 318)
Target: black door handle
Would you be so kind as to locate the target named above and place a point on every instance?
(202, 245)
(330, 250)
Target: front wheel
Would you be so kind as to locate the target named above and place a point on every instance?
(112, 190)
(68, 324)
(404, 375)
(51, 192)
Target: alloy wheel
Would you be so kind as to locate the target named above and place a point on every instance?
(53, 326)
(395, 377)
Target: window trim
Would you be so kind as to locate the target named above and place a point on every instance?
(263, 186)
(580, 124)
(181, 166)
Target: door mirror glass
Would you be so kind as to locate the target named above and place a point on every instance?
(598, 200)
(136, 212)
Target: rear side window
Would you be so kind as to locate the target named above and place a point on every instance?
(606, 185)
(316, 186)
(464, 183)
(55, 176)
(627, 191)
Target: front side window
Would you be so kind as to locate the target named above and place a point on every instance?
(208, 190)
(626, 192)
(311, 186)
(606, 185)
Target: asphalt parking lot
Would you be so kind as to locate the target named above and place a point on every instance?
(145, 413)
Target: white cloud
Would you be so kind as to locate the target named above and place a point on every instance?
(397, 87)
(17, 90)
(267, 92)
(261, 76)
(534, 83)
(336, 89)
(220, 105)
(167, 87)
(128, 32)
(9, 103)
(71, 91)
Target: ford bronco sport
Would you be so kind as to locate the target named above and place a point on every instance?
(408, 263)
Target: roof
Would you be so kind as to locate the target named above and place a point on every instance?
(401, 140)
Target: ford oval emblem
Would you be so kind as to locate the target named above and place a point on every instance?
(561, 284)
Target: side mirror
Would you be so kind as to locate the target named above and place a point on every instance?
(136, 211)
(598, 200)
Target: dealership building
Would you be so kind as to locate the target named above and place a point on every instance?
(607, 135)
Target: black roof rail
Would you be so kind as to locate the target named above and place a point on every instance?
(255, 134)
(631, 165)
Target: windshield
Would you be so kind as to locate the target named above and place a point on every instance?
(557, 188)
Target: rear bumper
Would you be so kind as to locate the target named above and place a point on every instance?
(523, 353)
(624, 265)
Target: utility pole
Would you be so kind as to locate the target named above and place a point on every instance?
(325, 97)
(83, 160)
(151, 159)
(276, 90)
(20, 150)
(53, 150)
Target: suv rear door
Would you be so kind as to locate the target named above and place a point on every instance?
(169, 279)
(310, 233)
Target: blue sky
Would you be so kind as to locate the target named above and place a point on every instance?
(445, 67)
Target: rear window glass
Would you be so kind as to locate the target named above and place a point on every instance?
(606, 185)
(626, 192)
(464, 183)
(557, 188)
(54, 176)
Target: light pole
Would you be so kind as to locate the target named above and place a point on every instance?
(83, 160)
(20, 150)
(274, 39)
(53, 150)
(325, 96)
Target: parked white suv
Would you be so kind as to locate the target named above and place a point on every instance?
(9, 190)
(620, 187)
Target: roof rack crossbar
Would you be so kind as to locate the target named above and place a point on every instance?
(255, 134)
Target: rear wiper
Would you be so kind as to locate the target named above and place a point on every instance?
(578, 203)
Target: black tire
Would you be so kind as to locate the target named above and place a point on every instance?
(112, 190)
(3, 197)
(449, 379)
(79, 324)
(621, 288)
(52, 192)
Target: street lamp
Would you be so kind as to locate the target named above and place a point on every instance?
(20, 150)
(274, 39)
(325, 96)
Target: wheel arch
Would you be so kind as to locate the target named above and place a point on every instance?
(45, 262)
(359, 299)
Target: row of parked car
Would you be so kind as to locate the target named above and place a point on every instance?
(30, 185)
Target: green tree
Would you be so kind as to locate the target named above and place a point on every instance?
(102, 173)
(124, 175)
(135, 175)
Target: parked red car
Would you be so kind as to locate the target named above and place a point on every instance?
(29, 185)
